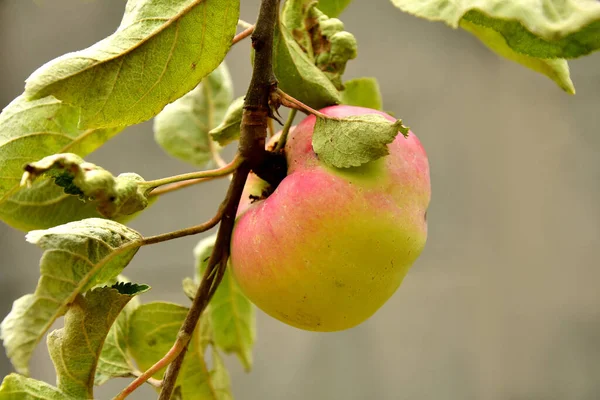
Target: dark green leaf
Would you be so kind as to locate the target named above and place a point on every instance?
(362, 92)
(297, 74)
(231, 314)
(30, 131)
(181, 129)
(114, 196)
(161, 51)
(229, 129)
(75, 349)
(18, 387)
(354, 140)
(78, 256)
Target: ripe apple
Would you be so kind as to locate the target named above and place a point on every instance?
(328, 247)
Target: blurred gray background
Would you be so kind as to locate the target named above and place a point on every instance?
(504, 302)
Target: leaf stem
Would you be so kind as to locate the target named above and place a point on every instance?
(210, 281)
(244, 24)
(286, 130)
(294, 103)
(157, 383)
(243, 34)
(213, 173)
(180, 185)
(193, 230)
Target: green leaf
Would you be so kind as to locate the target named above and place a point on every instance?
(333, 8)
(190, 287)
(18, 387)
(229, 129)
(362, 92)
(114, 361)
(123, 195)
(556, 69)
(297, 74)
(77, 256)
(30, 131)
(354, 140)
(161, 51)
(181, 129)
(75, 349)
(232, 315)
(153, 330)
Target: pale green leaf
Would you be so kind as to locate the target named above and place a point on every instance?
(18, 387)
(153, 330)
(160, 51)
(354, 140)
(556, 69)
(333, 8)
(30, 131)
(232, 315)
(362, 92)
(181, 129)
(114, 361)
(298, 76)
(77, 256)
(229, 128)
(190, 287)
(114, 196)
(75, 349)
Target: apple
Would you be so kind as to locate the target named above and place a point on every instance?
(326, 248)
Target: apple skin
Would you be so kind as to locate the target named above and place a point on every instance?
(330, 246)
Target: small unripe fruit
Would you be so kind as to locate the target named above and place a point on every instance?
(328, 247)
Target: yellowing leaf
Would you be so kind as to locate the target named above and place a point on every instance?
(181, 129)
(75, 349)
(78, 256)
(161, 50)
(354, 140)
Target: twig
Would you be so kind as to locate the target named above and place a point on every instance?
(180, 185)
(157, 383)
(293, 103)
(213, 173)
(243, 34)
(244, 24)
(211, 223)
(286, 130)
(210, 281)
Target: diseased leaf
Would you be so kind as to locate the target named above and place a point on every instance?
(77, 256)
(114, 197)
(30, 131)
(160, 51)
(75, 349)
(297, 74)
(181, 129)
(333, 8)
(18, 387)
(229, 129)
(354, 140)
(362, 92)
(556, 69)
(232, 315)
(153, 330)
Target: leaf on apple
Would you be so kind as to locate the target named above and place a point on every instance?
(362, 92)
(232, 315)
(160, 52)
(182, 127)
(354, 140)
(525, 27)
(29, 131)
(78, 256)
(229, 128)
(114, 196)
(75, 349)
(153, 329)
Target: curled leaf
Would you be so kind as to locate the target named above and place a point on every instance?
(114, 196)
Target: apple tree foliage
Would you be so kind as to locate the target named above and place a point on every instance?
(166, 61)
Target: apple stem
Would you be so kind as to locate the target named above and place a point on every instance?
(286, 129)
